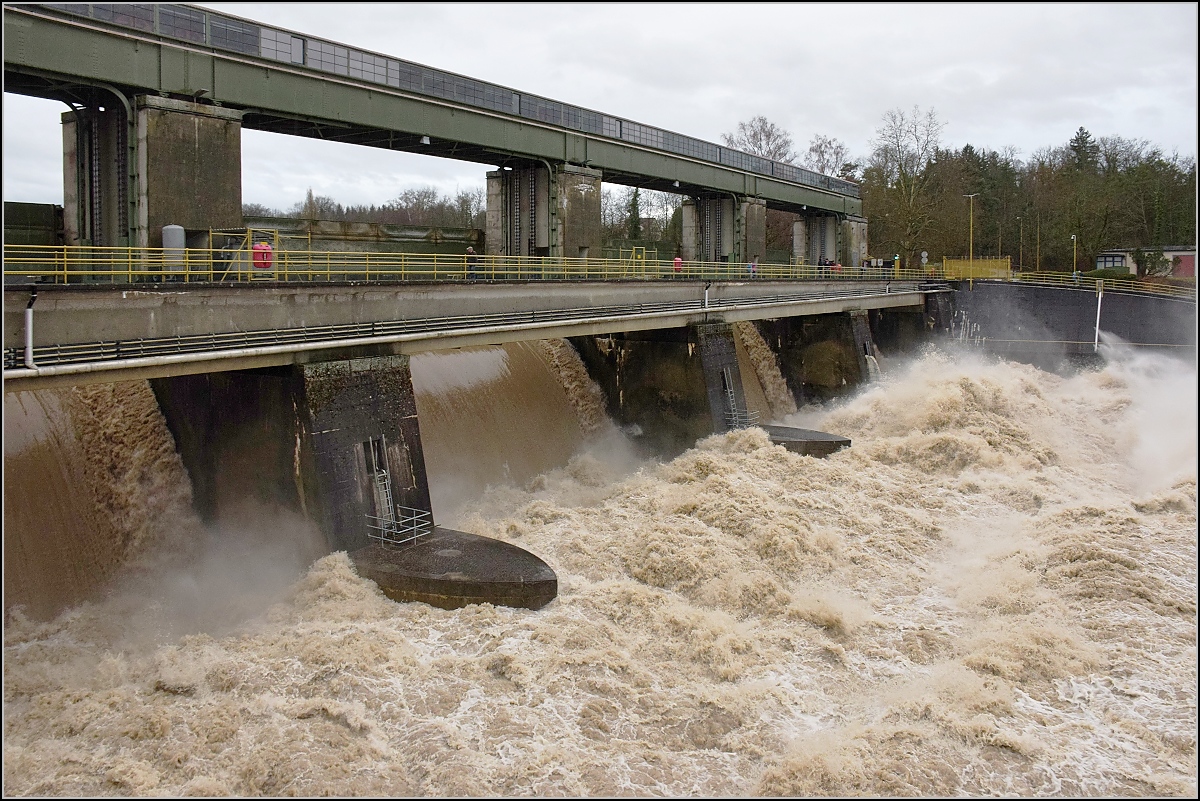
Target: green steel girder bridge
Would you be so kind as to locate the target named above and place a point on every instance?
(272, 79)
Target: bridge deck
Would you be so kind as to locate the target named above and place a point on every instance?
(84, 333)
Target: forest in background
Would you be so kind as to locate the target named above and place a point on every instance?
(918, 195)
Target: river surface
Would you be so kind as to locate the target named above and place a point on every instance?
(992, 592)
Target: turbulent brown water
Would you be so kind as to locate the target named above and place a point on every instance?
(992, 592)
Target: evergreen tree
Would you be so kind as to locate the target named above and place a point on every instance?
(633, 219)
(1085, 149)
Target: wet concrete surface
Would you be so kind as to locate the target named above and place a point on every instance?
(450, 569)
(806, 441)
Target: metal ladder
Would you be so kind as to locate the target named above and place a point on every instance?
(735, 416)
(395, 525)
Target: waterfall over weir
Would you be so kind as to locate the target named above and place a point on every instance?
(992, 593)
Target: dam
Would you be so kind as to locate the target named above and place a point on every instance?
(735, 619)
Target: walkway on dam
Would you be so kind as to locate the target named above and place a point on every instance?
(76, 264)
(209, 331)
(79, 315)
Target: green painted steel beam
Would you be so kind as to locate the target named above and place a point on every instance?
(42, 53)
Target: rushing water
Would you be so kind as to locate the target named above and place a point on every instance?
(992, 592)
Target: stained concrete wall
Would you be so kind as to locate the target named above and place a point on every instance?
(654, 385)
(293, 438)
(722, 374)
(1022, 318)
(240, 440)
(348, 403)
(578, 212)
(817, 355)
(190, 167)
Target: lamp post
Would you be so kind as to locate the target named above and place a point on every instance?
(1021, 244)
(1038, 262)
(971, 235)
(1074, 254)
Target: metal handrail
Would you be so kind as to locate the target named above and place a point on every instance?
(1123, 285)
(741, 418)
(88, 264)
(406, 525)
(119, 265)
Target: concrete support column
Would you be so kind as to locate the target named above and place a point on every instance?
(690, 231)
(722, 376)
(578, 212)
(495, 242)
(833, 239)
(536, 211)
(800, 241)
(97, 192)
(190, 167)
(752, 244)
(818, 237)
(722, 228)
(517, 212)
(854, 234)
(715, 228)
(362, 416)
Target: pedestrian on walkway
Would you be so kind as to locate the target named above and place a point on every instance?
(472, 263)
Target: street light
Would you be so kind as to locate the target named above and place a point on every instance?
(1021, 244)
(1037, 265)
(1074, 254)
(971, 240)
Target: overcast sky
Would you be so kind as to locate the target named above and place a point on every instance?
(998, 75)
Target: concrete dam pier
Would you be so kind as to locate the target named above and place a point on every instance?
(339, 444)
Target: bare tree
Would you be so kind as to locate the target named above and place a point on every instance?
(613, 205)
(661, 206)
(316, 207)
(761, 137)
(905, 146)
(826, 155)
(259, 210)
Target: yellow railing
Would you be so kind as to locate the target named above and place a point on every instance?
(79, 264)
(1130, 284)
(85, 264)
(964, 269)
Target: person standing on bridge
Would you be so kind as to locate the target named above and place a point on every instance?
(472, 263)
(678, 264)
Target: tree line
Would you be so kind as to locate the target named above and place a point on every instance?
(919, 195)
(424, 206)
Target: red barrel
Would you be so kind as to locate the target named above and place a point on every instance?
(262, 256)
